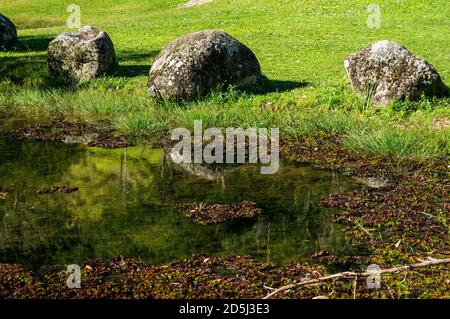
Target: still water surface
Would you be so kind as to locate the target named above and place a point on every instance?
(126, 205)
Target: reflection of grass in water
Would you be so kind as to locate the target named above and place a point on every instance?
(124, 206)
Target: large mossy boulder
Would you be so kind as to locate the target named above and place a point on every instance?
(194, 65)
(8, 32)
(387, 71)
(76, 57)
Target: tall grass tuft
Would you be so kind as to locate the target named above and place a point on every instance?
(404, 143)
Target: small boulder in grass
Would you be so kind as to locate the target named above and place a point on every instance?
(386, 71)
(8, 32)
(76, 57)
(216, 213)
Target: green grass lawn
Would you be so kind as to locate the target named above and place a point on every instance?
(301, 46)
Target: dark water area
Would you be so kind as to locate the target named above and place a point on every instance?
(126, 204)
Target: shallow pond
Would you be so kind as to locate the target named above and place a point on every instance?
(126, 205)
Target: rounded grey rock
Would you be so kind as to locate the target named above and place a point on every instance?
(196, 64)
(386, 71)
(76, 57)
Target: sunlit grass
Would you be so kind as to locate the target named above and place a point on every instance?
(301, 46)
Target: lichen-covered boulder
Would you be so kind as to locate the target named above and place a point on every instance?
(8, 32)
(76, 57)
(194, 65)
(387, 71)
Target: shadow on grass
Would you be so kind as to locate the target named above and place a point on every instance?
(283, 86)
(26, 69)
(273, 86)
(129, 71)
(29, 71)
(22, 70)
(140, 68)
(125, 55)
(31, 43)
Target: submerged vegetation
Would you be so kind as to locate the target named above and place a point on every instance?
(57, 189)
(216, 213)
(214, 277)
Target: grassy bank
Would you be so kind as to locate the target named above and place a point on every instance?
(300, 45)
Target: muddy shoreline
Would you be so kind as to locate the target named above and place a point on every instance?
(401, 220)
(69, 132)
